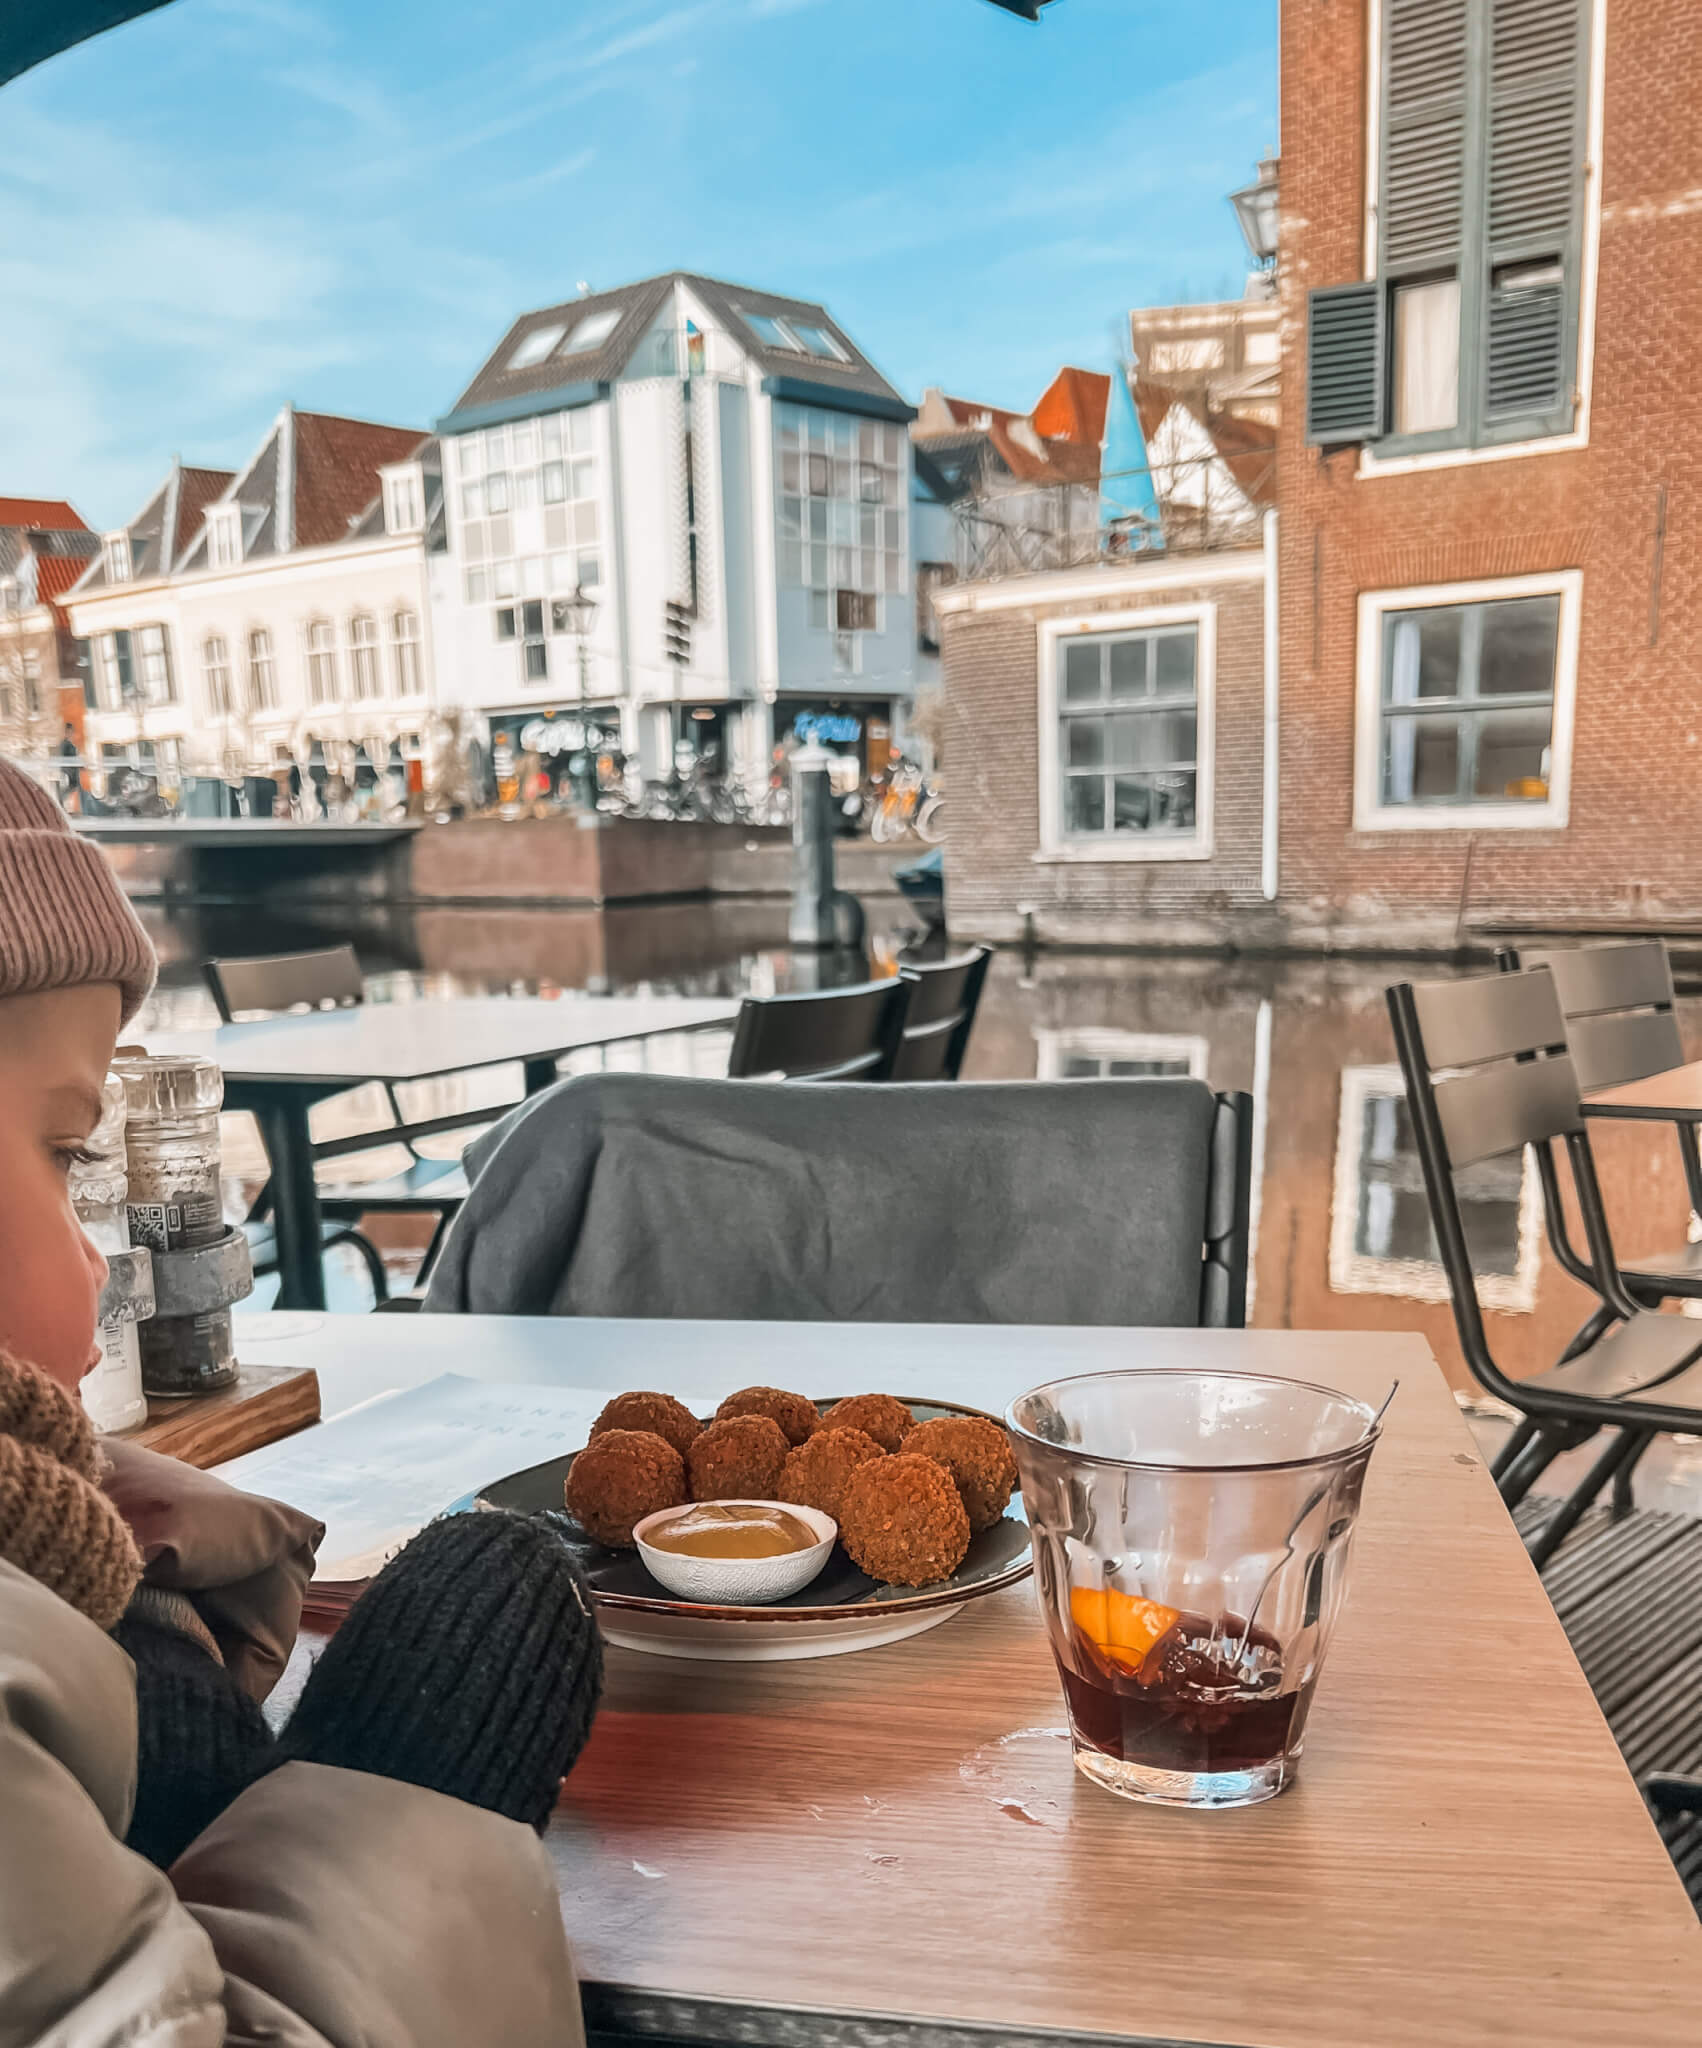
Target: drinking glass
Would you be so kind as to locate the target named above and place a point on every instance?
(1191, 1534)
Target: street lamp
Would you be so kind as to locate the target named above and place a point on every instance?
(1256, 210)
(579, 613)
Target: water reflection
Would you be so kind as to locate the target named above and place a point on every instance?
(1342, 1234)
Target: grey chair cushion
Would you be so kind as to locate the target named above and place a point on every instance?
(1007, 1202)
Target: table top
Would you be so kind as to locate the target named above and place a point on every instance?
(893, 1847)
(1676, 1094)
(414, 1041)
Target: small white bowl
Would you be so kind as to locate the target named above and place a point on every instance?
(737, 1581)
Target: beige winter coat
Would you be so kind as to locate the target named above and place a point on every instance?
(324, 1909)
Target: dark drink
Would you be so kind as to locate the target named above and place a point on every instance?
(1203, 1697)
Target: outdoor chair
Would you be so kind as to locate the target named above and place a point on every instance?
(1079, 1202)
(841, 1034)
(331, 978)
(934, 1033)
(1621, 1025)
(1487, 1073)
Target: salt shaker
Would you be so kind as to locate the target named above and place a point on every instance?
(112, 1388)
(175, 1204)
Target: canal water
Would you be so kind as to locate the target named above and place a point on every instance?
(1342, 1236)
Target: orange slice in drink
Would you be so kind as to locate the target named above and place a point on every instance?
(1121, 1626)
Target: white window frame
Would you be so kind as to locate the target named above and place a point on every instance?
(1355, 1272)
(366, 672)
(216, 672)
(1370, 463)
(404, 502)
(1091, 1041)
(224, 537)
(409, 641)
(1168, 846)
(316, 696)
(115, 557)
(1370, 813)
(260, 669)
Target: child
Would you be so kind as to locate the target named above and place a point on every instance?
(370, 1883)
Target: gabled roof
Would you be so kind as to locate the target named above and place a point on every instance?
(312, 482)
(637, 305)
(50, 514)
(1057, 443)
(165, 526)
(1247, 448)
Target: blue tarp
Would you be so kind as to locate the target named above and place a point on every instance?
(1128, 504)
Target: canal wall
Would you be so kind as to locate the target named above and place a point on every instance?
(560, 860)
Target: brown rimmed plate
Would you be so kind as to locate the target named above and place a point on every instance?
(839, 1611)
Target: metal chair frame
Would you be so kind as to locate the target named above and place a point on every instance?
(1621, 1025)
(330, 976)
(1488, 1072)
(839, 1034)
(934, 1032)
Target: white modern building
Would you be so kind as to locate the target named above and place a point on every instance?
(247, 619)
(682, 506)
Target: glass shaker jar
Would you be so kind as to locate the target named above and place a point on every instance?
(112, 1388)
(176, 1204)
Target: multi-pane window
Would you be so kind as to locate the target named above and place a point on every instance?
(799, 337)
(1468, 333)
(322, 661)
(159, 685)
(1467, 702)
(363, 655)
(1128, 732)
(842, 486)
(114, 676)
(116, 556)
(525, 623)
(262, 671)
(405, 648)
(224, 538)
(402, 503)
(527, 507)
(215, 666)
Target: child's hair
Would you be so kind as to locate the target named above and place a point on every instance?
(63, 918)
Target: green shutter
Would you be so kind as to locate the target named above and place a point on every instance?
(1533, 232)
(1421, 208)
(1344, 364)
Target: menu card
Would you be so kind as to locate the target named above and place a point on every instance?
(378, 1473)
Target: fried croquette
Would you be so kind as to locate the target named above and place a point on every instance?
(977, 1454)
(815, 1474)
(882, 1416)
(660, 1414)
(739, 1459)
(620, 1477)
(797, 1416)
(903, 1520)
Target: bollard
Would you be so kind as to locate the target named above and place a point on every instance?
(822, 915)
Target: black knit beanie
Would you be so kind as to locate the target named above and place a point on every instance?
(471, 1666)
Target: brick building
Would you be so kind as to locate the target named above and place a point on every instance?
(44, 548)
(1484, 715)
(1491, 475)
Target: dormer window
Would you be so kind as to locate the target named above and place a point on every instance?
(224, 537)
(403, 502)
(116, 552)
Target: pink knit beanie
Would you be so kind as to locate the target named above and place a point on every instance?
(63, 918)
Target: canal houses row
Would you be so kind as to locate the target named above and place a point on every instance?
(679, 512)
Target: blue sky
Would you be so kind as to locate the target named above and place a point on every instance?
(233, 203)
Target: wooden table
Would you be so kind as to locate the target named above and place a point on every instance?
(892, 1850)
(280, 1067)
(1672, 1097)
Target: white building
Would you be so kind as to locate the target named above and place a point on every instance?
(240, 620)
(684, 505)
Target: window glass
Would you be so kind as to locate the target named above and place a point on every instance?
(1427, 356)
(592, 331)
(1128, 750)
(536, 345)
(819, 342)
(1442, 669)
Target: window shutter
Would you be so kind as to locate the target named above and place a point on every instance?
(1424, 135)
(1344, 363)
(1536, 149)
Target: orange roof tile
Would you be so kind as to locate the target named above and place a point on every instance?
(52, 513)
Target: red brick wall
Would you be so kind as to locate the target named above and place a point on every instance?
(990, 662)
(1632, 850)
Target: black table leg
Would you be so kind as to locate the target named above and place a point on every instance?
(540, 1074)
(295, 1200)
